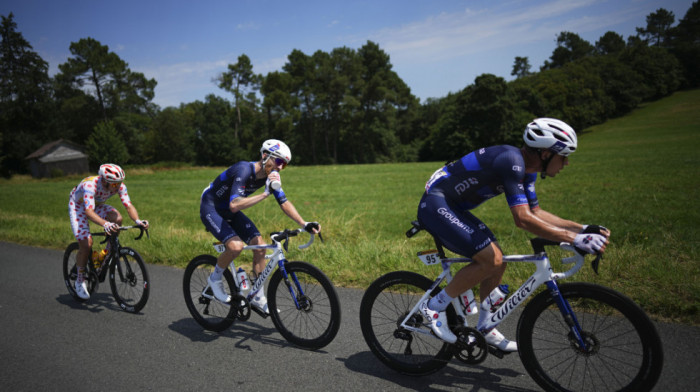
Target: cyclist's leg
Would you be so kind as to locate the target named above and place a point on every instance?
(249, 233)
(110, 214)
(81, 231)
(464, 234)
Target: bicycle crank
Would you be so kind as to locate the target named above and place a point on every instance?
(471, 347)
(241, 307)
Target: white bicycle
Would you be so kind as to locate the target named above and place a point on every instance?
(305, 309)
(571, 336)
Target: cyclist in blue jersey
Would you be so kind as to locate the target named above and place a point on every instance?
(231, 192)
(464, 184)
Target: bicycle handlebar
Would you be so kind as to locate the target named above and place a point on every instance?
(123, 228)
(285, 235)
(578, 258)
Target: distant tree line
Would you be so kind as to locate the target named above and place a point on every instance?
(346, 106)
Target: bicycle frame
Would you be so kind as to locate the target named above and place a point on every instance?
(114, 252)
(277, 258)
(542, 275)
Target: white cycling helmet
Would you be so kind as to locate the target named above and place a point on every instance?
(112, 173)
(551, 134)
(277, 149)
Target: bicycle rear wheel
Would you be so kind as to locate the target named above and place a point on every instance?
(70, 272)
(315, 323)
(210, 313)
(128, 279)
(386, 303)
(624, 352)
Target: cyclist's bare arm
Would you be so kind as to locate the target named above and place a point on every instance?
(92, 215)
(292, 213)
(133, 214)
(557, 221)
(241, 203)
(539, 225)
(563, 223)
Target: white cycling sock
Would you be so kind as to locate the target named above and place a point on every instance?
(440, 302)
(218, 273)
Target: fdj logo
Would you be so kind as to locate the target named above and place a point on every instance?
(274, 148)
(466, 184)
(558, 146)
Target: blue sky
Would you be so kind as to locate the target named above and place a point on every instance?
(436, 47)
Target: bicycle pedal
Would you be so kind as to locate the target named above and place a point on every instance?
(497, 352)
(260, 312)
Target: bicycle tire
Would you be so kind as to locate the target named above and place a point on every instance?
(128, 279)
(211, 314)
(316, 323)
(625, 352)
(385, 304)
(70, 272)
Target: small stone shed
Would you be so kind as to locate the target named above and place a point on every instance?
(59, 157)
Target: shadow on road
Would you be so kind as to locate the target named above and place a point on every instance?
(240, 331)
(97, 303)
(457, 375)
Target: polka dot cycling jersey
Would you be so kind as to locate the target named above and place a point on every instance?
(91, 193)
(484, 174)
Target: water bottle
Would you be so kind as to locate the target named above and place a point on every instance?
(242, 280)
(98, 257)
(276, 184)
(496, 297)
(469, 302)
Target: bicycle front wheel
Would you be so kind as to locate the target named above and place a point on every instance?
(210, 313)
(128, 279)
(305, 309)
(623, 350)
(386, 303)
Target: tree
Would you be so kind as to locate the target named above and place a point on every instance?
(685, 42)
(106, 145)
(610, 43)
(116, 87)
(570, 47)
(658, 27)
(239, 80)
(171, 137)
(25, 99)
(521, 67)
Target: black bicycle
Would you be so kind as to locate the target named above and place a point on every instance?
(128, 276)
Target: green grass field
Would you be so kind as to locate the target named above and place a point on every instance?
(637, 175)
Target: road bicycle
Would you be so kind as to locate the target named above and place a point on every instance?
(571, 336)
(128, 277)
(302, 301)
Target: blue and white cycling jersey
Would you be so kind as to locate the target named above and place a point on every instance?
(237, 181)
(462, 185)
(483, 174)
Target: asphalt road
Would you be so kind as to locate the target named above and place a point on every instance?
(49, 342)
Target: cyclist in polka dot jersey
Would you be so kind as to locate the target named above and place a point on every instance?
(87, 204)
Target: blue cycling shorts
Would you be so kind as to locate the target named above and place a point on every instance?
(224, 224)
(458, 230)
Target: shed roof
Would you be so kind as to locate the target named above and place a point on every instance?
(59, 150)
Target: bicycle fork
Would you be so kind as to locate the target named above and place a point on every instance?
(295, 290)
(576, 332)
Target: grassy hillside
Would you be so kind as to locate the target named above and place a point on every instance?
(637, 175)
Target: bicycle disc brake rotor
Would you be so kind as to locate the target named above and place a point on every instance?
(591, 341)
(471, 347)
